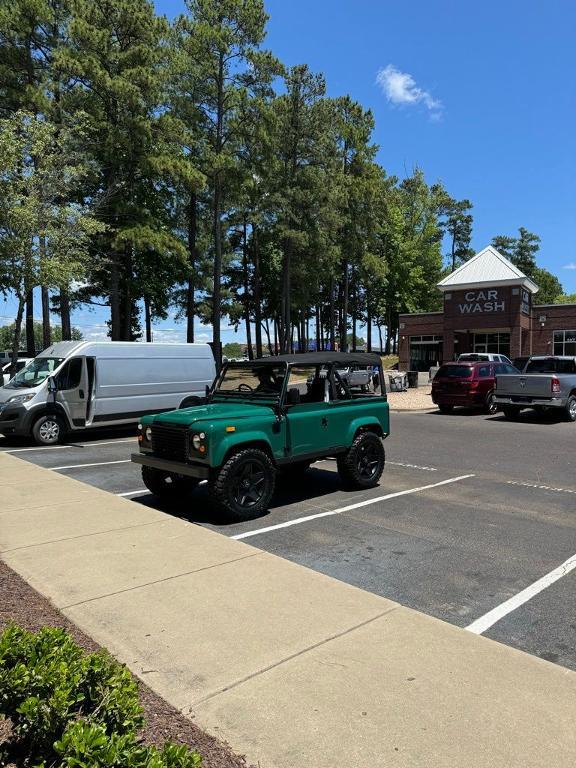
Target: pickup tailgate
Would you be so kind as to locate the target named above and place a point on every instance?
(534, 385)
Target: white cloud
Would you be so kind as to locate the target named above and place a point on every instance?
(400, 88)
(572, 265)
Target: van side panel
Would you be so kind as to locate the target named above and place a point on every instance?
(130, 386)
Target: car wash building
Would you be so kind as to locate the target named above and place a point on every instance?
(489, 306)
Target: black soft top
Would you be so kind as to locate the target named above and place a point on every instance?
(343, 359)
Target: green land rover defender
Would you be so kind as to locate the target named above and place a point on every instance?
(268, 416)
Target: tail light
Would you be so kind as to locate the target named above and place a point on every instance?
(555, 385)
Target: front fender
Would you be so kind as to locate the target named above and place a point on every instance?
(366, 421)
(234, 440)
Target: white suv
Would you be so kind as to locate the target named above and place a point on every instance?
(478, 357)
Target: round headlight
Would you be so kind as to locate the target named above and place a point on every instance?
(197, 442)
(148, 434)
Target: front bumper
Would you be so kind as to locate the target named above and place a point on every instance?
(173, 467)
(529, 402)
(13, 420)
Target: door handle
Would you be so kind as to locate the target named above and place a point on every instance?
(81, 394)
(324, 422)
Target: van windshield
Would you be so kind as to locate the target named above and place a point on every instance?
(35, 372)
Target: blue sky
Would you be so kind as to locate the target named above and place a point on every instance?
(480, 96)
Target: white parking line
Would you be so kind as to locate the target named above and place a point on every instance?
(133, 493)
(39, 448)
(94, 464)
(411, 466)
(339, 511)
(107, 442)
(489, 619)
(541, 487)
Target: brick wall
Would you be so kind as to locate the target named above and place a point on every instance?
(559, 317)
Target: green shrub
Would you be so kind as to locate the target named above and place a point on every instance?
(87, 744)
(46, 681)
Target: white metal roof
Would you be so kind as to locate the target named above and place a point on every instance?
(487, 267)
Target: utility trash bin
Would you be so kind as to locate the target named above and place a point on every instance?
(412, 378)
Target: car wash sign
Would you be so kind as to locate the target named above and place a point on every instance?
(482, 302)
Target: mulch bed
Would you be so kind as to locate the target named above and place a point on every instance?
(27, 608)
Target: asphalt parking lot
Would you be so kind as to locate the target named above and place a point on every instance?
(474, 521)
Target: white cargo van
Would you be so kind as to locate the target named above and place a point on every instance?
(76, 385)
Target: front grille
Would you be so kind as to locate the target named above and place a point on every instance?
(169, 441)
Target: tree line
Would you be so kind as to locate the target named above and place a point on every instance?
(148, 166)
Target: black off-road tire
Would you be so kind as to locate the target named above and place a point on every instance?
(511, 412)
(363, 463)
(571, 408)
(445, 408)
(490, 407)
(166, 485)
(49, 429)
(244, 485)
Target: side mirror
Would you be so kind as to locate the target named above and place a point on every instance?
(293, 396)
(52, 384)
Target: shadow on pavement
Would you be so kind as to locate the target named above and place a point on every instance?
(197, 507)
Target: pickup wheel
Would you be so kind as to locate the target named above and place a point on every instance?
(571, 408)
(490, 404)
(511, 412)
(166, 485)
(243, 486)
(363, 463)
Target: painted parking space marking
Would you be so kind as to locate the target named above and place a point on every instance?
(489, 619)
(348, 508)
(107, 442)
(39, 448)
(133, 493)
(93, 464)
(411, 466)
(541, 487)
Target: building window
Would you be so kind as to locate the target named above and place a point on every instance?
(499, 343)
(565, 343)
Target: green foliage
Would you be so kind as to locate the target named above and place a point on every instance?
(550, 288)
(566, 298)
(233, 349)
(75, 710)
(7, 335)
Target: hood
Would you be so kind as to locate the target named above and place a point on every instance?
(214, 412)
(7, 393)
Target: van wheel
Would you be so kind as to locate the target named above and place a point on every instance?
(48, 430)
(571, 408)
(363, 463)
(244, 485)
(511, 412)
(166, 485)
(490, 406)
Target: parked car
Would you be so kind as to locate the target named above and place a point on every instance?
(468, 384)
(79, 385)
(261, 418)
(356, 377)
(478, 357)
(546, 383)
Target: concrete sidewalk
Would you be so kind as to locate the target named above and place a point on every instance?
(289, 666)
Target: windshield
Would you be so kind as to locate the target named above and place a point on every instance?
(35, 372)
(254, 382)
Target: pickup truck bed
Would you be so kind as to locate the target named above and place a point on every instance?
(552, 385)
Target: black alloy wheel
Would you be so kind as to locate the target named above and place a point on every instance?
(362, 465)
(244, 485)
